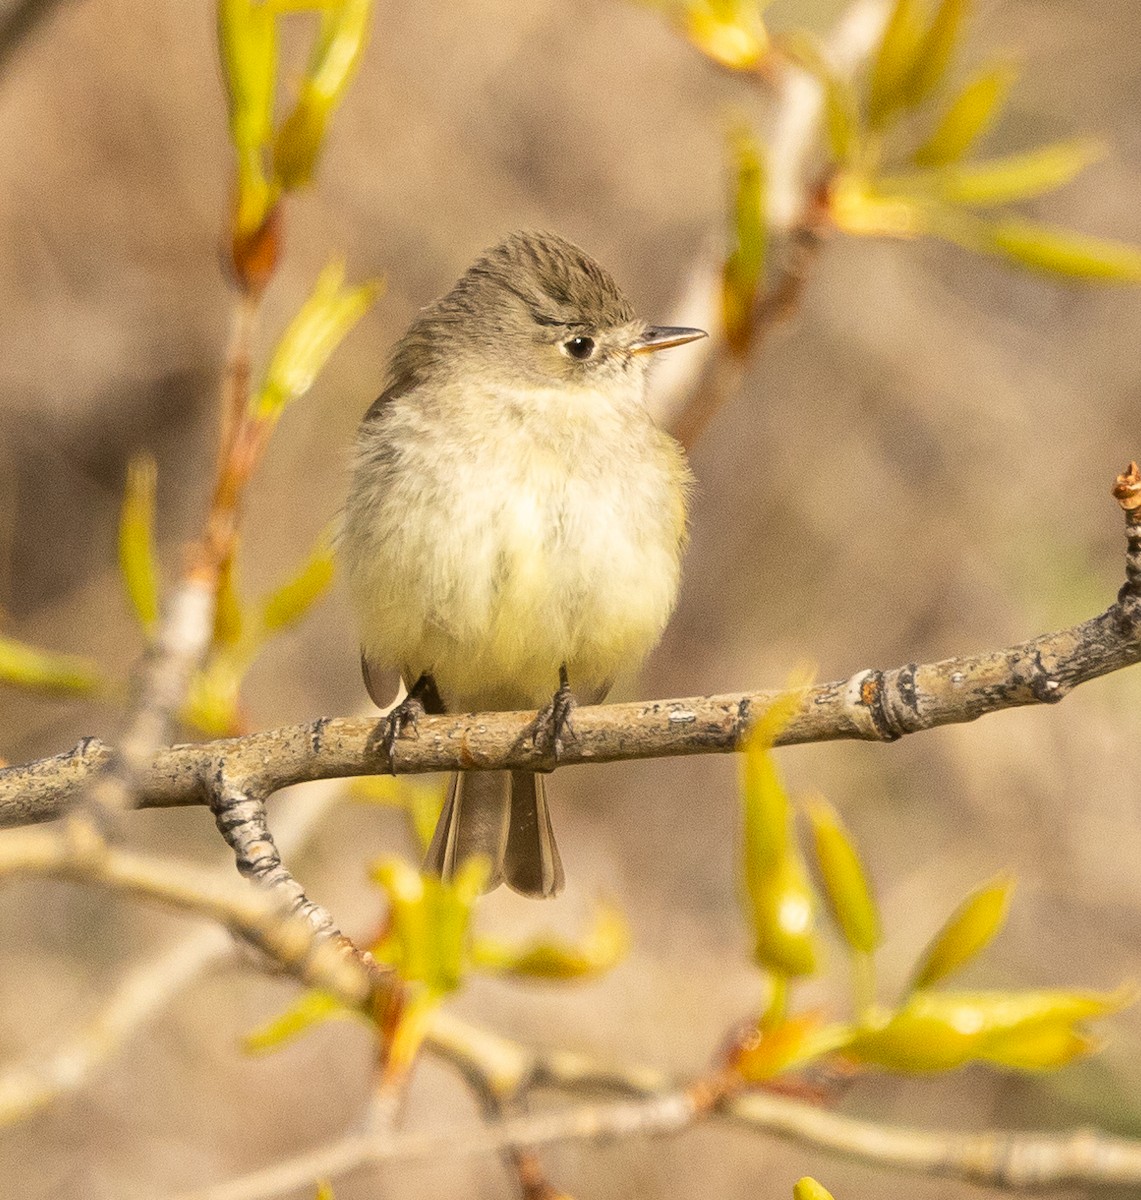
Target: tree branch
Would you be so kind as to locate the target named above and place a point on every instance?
(871, 705)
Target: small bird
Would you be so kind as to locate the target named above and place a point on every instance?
(515, 520)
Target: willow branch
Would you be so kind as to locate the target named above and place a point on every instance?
(872, 705)
(73, 853)
(1011, 1160)
(692, 387)
(44, 1076)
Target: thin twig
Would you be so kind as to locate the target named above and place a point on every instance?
(872, 705)
(43, 1077)
(256, 917)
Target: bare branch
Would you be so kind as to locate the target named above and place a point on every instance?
(43, 1077)
(871, 705)
(74, 853)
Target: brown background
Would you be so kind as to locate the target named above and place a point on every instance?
(919, 467)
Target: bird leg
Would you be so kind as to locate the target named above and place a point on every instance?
(423, 697)
(554, 719)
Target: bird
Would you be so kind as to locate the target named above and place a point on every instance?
(515, 524)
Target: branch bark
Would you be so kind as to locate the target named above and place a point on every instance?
(872, 705)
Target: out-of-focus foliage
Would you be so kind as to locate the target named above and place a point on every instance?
(322, 323)
(136, 540)
(909, 173)
(927, 1030)
(779, 900)
(600, 949)
(340, 44)
(808, 1189)
(428, 939)
(969, 930)
(743, 274)
(268, 162)
(730, 32)
(38, 670)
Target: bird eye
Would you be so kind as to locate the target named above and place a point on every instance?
(580, 348)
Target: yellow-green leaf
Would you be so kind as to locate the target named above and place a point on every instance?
(323, 322)
(340, 43)
(972, 112)
(428, 940)
(136, 540)
(228, 622)
(293, 599)
(212, 700)
(894, 62)
(37, 670)
(247, 36)
(771, 1051)
(808, 1189)
(1017, 176)
(970, 929)
(858, 207)
(311, 1009)
(845, 881)
(1062, 252)
(601, 949)
(745, 264)
(731, 32)
(1029, 1031)
(324, 1190)
(934, 53)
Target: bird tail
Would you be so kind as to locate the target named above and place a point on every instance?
(505, 818)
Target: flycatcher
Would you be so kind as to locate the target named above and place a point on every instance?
(516, 520)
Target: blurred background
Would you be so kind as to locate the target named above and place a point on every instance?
(918, 466)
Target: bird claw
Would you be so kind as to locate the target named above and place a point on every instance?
(401, 722)
(553, 720)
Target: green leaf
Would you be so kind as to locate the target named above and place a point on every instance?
(247, 37)
(730, 32)
(745, 264)
(340, 43)
(780, 903)
(1016, 177)
(1043, 248)
(894, 62)
(313, 1008)
(934, 53)
(228, 620)
(845, 880)
(36, 670)
(603, 947)
(1028, 1031)
(1062, 252)
(422, 802)
(136, 540)
(428, 940)
(323, 322)
(808, 1189)
(288, 603)
(969, 930)
(972, 112)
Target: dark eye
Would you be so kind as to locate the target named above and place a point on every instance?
(580, 348)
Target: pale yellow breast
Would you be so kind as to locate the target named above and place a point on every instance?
(505, 542)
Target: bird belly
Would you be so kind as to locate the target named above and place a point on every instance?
(522, 558)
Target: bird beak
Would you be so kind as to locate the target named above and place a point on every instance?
(662, 337)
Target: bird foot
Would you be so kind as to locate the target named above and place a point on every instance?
(553, 720)
(400, 723)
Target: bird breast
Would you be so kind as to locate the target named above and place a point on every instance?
(492, 538)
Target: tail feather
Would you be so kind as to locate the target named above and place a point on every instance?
(474, 821)
(531, 863)
(505, 818)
